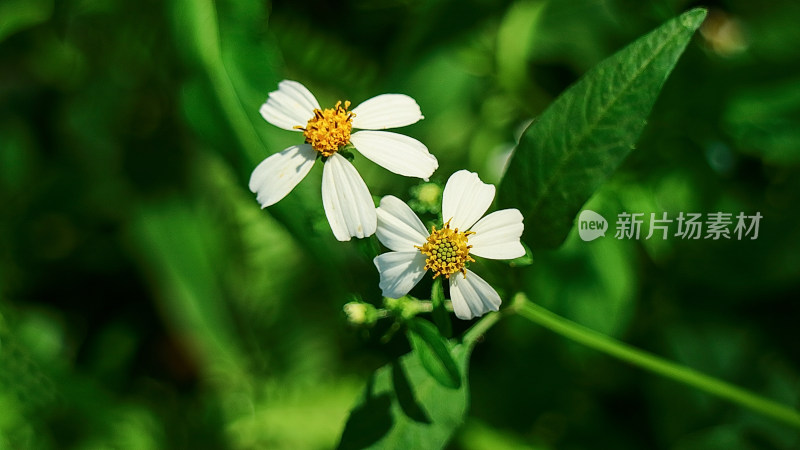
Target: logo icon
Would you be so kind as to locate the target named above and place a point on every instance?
(591, 225)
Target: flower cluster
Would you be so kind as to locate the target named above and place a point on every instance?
(446, 251)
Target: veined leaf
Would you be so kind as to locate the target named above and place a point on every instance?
(565, 155)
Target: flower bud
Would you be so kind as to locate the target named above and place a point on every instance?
(359, 313)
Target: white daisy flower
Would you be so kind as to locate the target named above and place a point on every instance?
(347, 201)
(447, 251)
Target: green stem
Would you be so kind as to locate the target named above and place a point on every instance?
(482, 326)
(655, 364)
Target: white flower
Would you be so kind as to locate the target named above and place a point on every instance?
(447, 251)
(347, 201)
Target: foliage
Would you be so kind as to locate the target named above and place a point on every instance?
(147, 302)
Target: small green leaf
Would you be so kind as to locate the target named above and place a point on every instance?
(433, 353)
(565, 155)
(524, 260)
(441, 316)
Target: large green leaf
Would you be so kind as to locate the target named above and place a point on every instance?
(565, 155)
(404, 407)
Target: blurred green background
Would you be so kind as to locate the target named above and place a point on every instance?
(147, 302)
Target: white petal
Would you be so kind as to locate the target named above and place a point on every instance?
(386, 111)
(398, 227)
(291, 105)
(465, 199)
(472, 296)
(277, 175)
(346, 199)
(497, 235)
(400, 272)
(396, 152)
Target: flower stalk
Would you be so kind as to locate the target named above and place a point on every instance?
(653, 363)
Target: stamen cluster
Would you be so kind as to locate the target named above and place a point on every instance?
(329, 130)
(447, 251)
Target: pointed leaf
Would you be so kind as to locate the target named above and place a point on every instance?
(565, 155)
(524, 260)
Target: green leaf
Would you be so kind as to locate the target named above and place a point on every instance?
(433, 353)
(441, 316)
(565, 155)
(405, 407)
(524, 260)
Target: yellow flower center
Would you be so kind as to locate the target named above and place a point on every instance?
(447, 251)
(329, 130)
